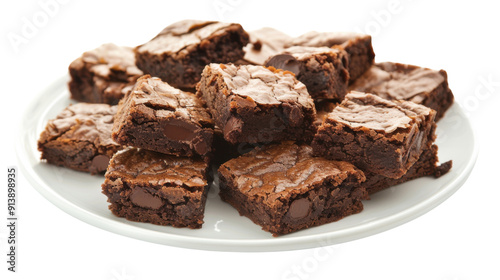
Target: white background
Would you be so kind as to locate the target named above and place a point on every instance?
(457, 240)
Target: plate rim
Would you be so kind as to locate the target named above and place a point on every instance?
(236, 245)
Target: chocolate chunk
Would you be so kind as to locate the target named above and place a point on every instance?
(286, 62)
(233, 125)
(179, 130)
(99, 164)
(299, 208)
(201, 146)
(257, 45)
(144, 199)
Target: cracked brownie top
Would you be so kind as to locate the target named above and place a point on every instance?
(183, 35)
(367, 111)
(324, 39)
(158, 169)
(84, 122)
(280, 169)
(263, 85)
(399, 81)
(109, 60)
(157, 99)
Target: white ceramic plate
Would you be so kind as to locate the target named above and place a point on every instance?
(79, 194)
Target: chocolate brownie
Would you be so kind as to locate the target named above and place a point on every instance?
(396, 81)
(264, 43)
(103, 75)
(146, 186)
(358, 46)
(323, 70)
(158, 117)
(427, 165)
(377, 135)
(179, 53)
(255, 104)
(283, 188)
(80, 138)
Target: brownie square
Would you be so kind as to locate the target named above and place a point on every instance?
(178, 54)
(103, 75)
(427, 165)
(264, 43)
(377, 135)
(358, 46)
(146, 186)
(283, 188)
(158, 117)
(396, 81)
(323, 70)
(255, 104)
(80, 138)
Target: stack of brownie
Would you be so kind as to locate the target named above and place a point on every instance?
(300, 129)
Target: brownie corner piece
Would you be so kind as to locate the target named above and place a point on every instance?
(377, 135)
(146, 186)
(79, 138)
(358, 46)
(179, 52)
(397, 81)
(361, 55)
(323, 70)
(283, 188)
(103, 75)
(256, 104)
(159, 117)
